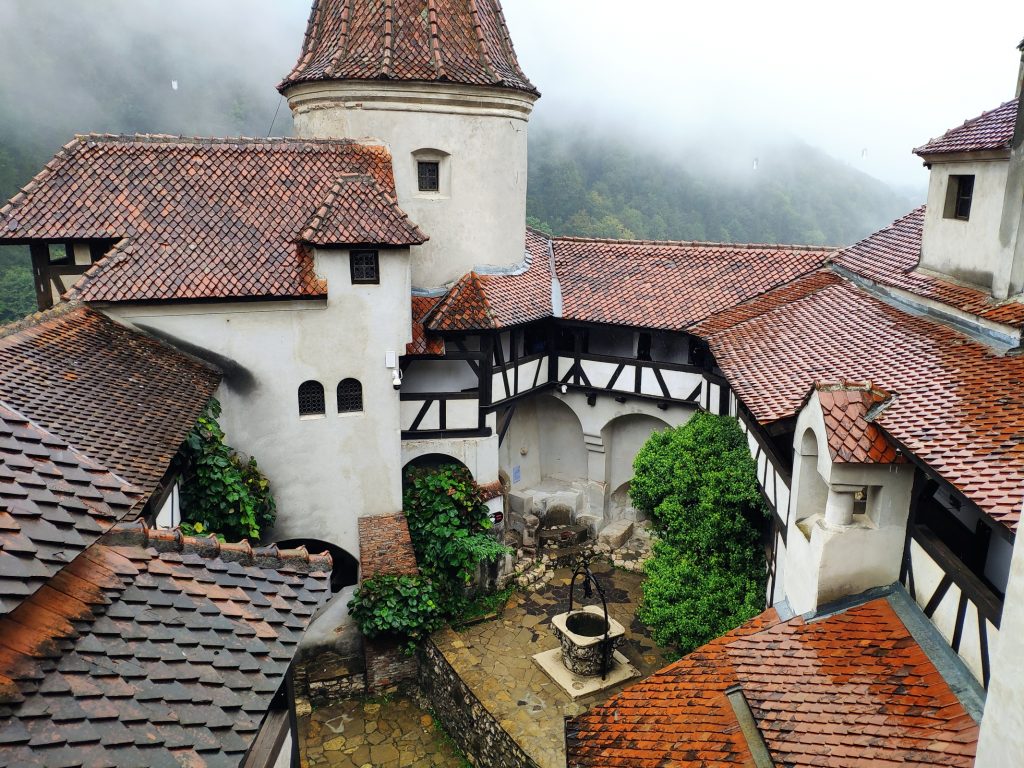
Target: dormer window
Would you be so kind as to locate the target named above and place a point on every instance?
(429, 174)
(959, 194)
(365, 267)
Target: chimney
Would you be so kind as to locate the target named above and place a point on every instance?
(1020, 72)
(1011, 224)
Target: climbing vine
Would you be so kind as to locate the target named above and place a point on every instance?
(405, 607)
(698, 483)
(222, 491)
(448, 524)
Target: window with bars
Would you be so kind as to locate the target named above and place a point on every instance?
(429, 173)
(350, 396)
(312, 401)
(365, 267)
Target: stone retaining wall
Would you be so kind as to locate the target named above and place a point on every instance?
(324, 677)
(387, 665)
(466, 720)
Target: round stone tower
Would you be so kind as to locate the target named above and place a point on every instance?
(438, 83)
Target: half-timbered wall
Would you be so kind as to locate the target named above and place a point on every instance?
(955, 568)
(964, 611)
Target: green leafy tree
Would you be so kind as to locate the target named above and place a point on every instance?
(222, 491)
(698, 484)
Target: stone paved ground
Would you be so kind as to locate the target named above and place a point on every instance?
(494, 659)
(390, 732)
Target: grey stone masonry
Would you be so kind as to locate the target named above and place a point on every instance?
(466, 720)
(614, 535)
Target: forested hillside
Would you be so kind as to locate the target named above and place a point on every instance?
(583, 182)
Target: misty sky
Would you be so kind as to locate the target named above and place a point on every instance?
(864, 81)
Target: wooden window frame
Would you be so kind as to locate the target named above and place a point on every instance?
(959, 196)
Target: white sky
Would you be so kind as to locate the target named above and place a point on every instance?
(847, 77)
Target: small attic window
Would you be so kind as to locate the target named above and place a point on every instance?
(365, 267)
(429, 174)
(959, 195)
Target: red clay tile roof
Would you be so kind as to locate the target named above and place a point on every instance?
(120, 397)
(423, 342)
(385, 546)
(358, 212)
(153, 649)
(852, 438)
(54, 503)
(958, 405)
(487, 302)
(890, 256)
(197, 218)
(670, 285)
(991, 130)
(439, 41)
(854, 688)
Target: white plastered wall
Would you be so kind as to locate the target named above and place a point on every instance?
(325, 471)
(823, 562)
(479, 454)
(479, 215)
(1002, 728)
(969, 251)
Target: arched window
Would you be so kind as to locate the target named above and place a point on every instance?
(350, 396)
(312, 401)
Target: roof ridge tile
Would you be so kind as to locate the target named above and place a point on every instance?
(137, 533)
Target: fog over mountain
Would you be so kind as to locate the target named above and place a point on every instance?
(739, 121)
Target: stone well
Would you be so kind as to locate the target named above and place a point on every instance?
(581, 634)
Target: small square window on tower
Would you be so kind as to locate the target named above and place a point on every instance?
(959, 195)
(365, 267)
(429, 173)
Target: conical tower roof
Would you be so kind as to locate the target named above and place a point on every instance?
(441, 41)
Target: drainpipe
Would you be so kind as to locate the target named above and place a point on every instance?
(1011, 227)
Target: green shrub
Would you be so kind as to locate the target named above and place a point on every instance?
(222, 491)
(448, 524)
(687, 603)
(698, 483)
(405, 607)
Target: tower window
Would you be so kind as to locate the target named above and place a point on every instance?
(311, 399)
(429, 174)
(365, 267)
(959, 195)
(350, 396)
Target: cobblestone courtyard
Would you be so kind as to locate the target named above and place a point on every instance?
(494, 659)
(390, 732)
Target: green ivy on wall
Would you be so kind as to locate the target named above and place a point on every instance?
(448, 524)
(222, 491)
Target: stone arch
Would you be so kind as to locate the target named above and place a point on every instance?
(428, 459)
(346, 566)
(623, 437)
(812, 490)
(562, 451)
